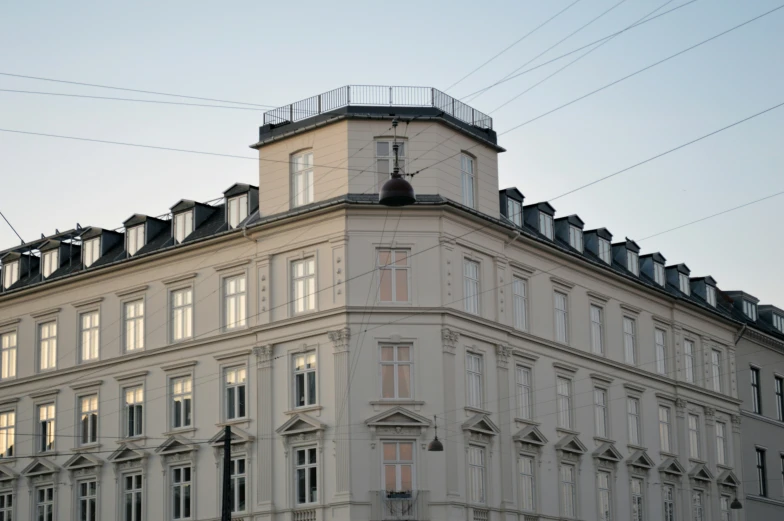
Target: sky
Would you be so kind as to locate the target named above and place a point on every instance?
(276, 53)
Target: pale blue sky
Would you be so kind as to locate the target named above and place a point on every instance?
(275, 53)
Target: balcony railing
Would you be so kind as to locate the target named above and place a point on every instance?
(400, 506)
(378, 96)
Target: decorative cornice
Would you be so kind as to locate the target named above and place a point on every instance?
(561, 283)
(233, 354)
(130, 376)
(565, 367)
(179, 365)
(45, 312)
(633, 387)
(502, 353)
(180, 278)
(340, 339)
(44, 393)
(264, 353)
(87, 302)
(84, 385)
(710, 412)
(232, 264)
(131, 291)
(601, 378)
(10, 322)
(631, 309)
(603, 299)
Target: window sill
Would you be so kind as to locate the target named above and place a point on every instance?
(602, 439)
(698, 461)
(634, 446)
(563, 430)
(668, 454)
(724, 466)
(306, 408)
(181, 430)
(86, 448)
(476, 410)
(131, 439)
(527, 422)
(416, 404)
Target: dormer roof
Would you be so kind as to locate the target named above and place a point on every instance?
(138, 218)
(602, 233)
(543, 207)
(573, 220)
(187, 204)
(738, 294)
(513, 193)
(708, 280)
(629, 245)
(681, 268)
(238, 189)
(49, 245)
(655, 256)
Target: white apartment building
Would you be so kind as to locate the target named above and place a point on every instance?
(570, 377)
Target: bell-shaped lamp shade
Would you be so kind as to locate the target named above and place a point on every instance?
(397, 192)
(435, 445)
(736, 505)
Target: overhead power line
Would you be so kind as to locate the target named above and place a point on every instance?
(12, 227)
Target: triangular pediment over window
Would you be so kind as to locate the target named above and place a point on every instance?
(237, 436)
(571, 443)
(700, 472)
(176, 445)
(40, 467)
(530, 434)
(728, 479)
(300, 424)
(640, 459)
(481, 423)
(398, 417)
(128, 452)
(7, 477)
(671, 466)
(608, 452)
(82, 462)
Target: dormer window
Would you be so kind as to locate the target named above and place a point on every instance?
(546, 225)
(134, 239)
(576, 238)
(10, 274)
(632, 262)
(238, 210)
(710, 295)
(514, 210)
(91, 251)
(605, 251)
(683, 283)
(50, 265)
(183, 226)
(750, 310)
(778, 322)
(658, 274)
(301, 179)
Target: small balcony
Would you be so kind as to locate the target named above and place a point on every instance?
(411, 505)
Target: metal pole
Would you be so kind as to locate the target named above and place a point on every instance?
(226, 506)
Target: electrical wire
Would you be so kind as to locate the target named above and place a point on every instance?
(11, 226)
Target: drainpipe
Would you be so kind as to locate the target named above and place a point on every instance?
(740, 335)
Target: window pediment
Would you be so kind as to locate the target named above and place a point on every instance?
(572, 444)
(640, 459)
(607, 452)
(398, 417)
(128, 452)
(7, 477)
(531, 435)
(672, 466)
(238, 437)
(728, 479)
(700, 472)
(82, 462)
(176, 445)
(40, 467)
(300, 424)
(482, 424)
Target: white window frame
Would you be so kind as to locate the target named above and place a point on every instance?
(303, 286)
(134, 239)
(7, 503)
(235, 301)
(87, 506)
(778, 322)
(660, 343)
(568, 489)
(468, 179)
(693, 426)
(604, 480)
(597, 329)
(302, 183)
(398, 463)
(133, 418)
(310, 469)
(477, 474)
(239, 389)
(564, 395)
(46, 427)
(181, 491)
(50, 262)
(474, 380)
(665, 429)
(724, 508)
(472, 271)
(181, 389)
(133, 325)
(602, 414)
(604, 250)
(390, 272)
(399, 365)
(689, 361)
(684, 284)
(8, 351)
(561, 320)
(7, 433)
(238, 478)
(236, 210)
(750, 309)
(514, 209)
(710, 294)
(305, 379)
(637, 490)
(576, 238)
(389, 158)
(546, 224)
(698, 504)
(668, 500)
(527, 478)
(182, 226)
(716, 370)
(45, 502)
(525, 392)
(91, 251)
(633, 415)
(520, 302)
(659, 275)
(633, 262)
(136, 494)
(10, 273)
(87, 427)
(89, 335)
(630, 340)
(182, 312)
(47, 345)
(721, 443)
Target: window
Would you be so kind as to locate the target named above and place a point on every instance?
(7, 431)
(303, 285)
(385, 160)
(51, 261)
(132, 495)
(779, 398)
(302, 179)
(183, 226)
(762, 473)
(46, 427)
(44, 503)
(474, 380)
(778, 322)
(514, 209)
(476, 473)
(668, 494)
(471, 286)
(661, 351)
(724, 503)
(665, 429)
(694, 436)
(90, 326)
(10, 274)
(182, 314)
(716, 370)
(658, 274)
(237, 210)
(546, 225)
(398, 466)
(561, 318)
(605, 501)
(87, 500)
(633, 414)
(88, 419)
(307, 475)
(393, 275)
(721, 443)
(134, 239)
(134, 325)
(683, 283)
(756, 399)
(710, 293)
(697, 501)
(47, 345)
(782, 469)
(632, 262)
(305, 379)
(597, 330)
(7, 505)
(524, 392)
(527, 483)
(519, 292)
(576, 238)
(91, 251)
(8, 355)
(396, 372)
(182, 402)
(235, 392)
(134, 411)
(467, 176)
(750, 310)
(605, 251)
(181, 492)
(234, 302)
(568, 491)
(629, 340)
(564, 391)
(638, 507)
(688, 350)
(237, 478)
(600, 402)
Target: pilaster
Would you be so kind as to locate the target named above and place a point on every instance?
(449, 340)
(266, 429)
(503, 356)
(340, 343)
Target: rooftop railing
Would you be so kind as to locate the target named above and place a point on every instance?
(378, 96)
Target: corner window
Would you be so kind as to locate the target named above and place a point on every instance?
(91, 251)
(181, 492)
(546, 225)
(234, 302)
(661, 350)
(689, 364)
(89, 329)
(87, 497)
(305, 379)
(694, 436)
(181, 402)
(132, 497)
(467, 179)
(520, 303)
(632, 262)
(302, 179)
(396, 372)
(525, 393)
(600, 403)
(561, 318)
(303, 285)
(605, 251)
(10, 274)
(629, 340)
(47, 345)
(721, 443)
(564, 402)
(474, 380)
(778, 322)
(398, 466)
(134, 239)
(665, 429)
(476, 473)
(385, 160)
(46, 430)
(237, 210)
(393, 266)
(568, 491)
(514, 209)
(234, 381)
(597, 330)
(750, 310)
(134, 325)
(576, 238)
(306, 475)
(710, 294)
(633, 415)
(183, 226)
(8, 355)
(238, 481)
(756, 400)
(88, 419)
(51, 261)
(683, 284)
(133, 407)
(471, 286)
(658, 274)
(7, 434)
(182, 314)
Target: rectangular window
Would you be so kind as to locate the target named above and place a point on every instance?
(88, 419)
(393, 277)
(527, 483)
(524, 392)
(476, 473)
(710, 293)
(605, 499)
(668, 494)
(474, 380)
(520, 295)
(132, 497)
(134, 411)
(756, 398)
(633, 414)
(782, 471)
(91, 251)
(46, 430)
(181, 492)
(658, 274)
(305, 379)
(385, 160)
(597, 330)
(87, 496)
(182, 314)
(396, 372)
(10, 274)
(762, 473)
(629, 340)
(683, 283)
(182, 402)
(183, 226)
(514, 209)
(44, 503)
(778, 322)
(238, 210)
(7, 432)
(134, 239)
(467, 176)
(8, 355)
(47, 345)
(750, 310)
(694, 436)
(665, 429)
(134, 325)
(561, 318)
(471, 286)
(779, 382)
(568, 491)
(661, 351)
(302, 179)
(546, 225)
(576, 238)
(7, 505)
(638, 505)
(564, 391)
(90, 330)
(235, 378)
(716, 370)
(51, 261)
(238, 479)
(632, 262)
(600, 403)
(697, 501)
(303, 285)
(689, 365)
(605, 252)
(306, 475)
(398, 466)
(721, 443)
(726, 513)
(234, 302)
